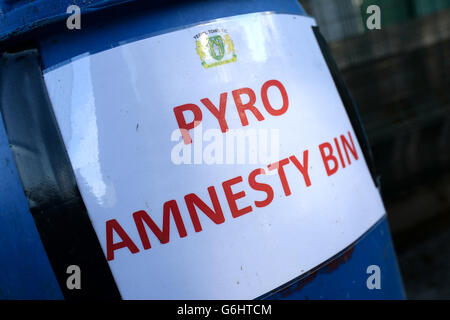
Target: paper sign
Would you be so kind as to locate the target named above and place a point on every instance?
(216, 161)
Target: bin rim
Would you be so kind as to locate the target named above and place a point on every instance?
(18, 17)
(21, 16)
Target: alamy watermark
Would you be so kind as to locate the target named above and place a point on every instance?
(374, 280)
(74, 20)
(74, 279)
(237, 146)
(374, 20)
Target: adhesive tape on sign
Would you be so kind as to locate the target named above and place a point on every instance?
(216, 161)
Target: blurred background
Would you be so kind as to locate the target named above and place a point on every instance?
(399, 77)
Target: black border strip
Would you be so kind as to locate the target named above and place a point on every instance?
(349, 104)
(48, 178)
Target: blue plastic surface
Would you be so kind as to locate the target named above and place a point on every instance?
(20, 16)
(25, 271)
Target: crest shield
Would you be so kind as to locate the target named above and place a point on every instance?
(216, 47)
(215, 50)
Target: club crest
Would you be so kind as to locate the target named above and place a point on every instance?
(215, 47)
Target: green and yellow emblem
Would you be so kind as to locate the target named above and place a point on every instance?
(215, 48)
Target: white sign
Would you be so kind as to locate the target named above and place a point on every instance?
(134, 117)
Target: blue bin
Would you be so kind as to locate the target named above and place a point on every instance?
(32, 264)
